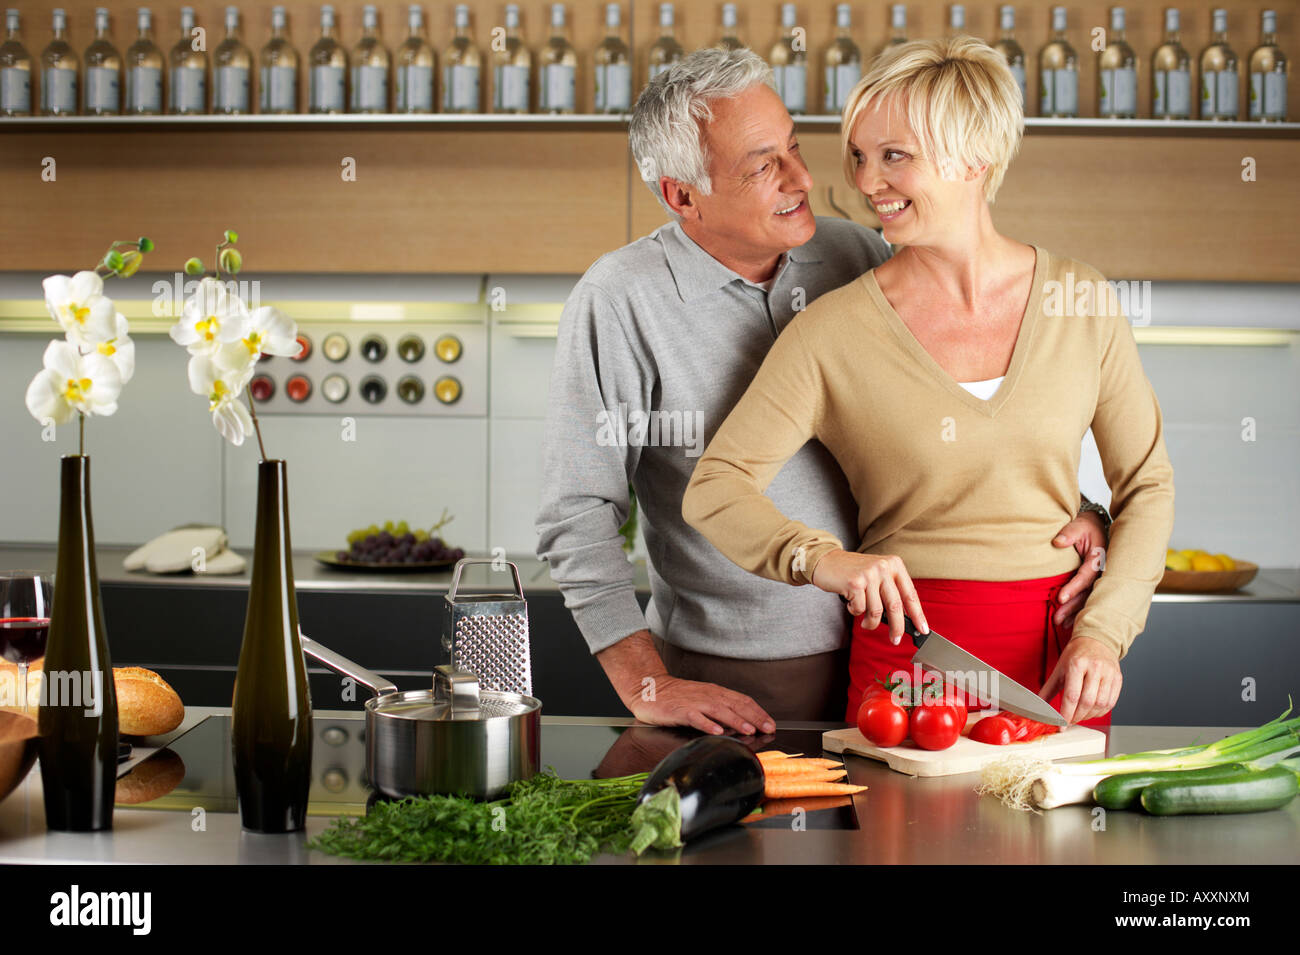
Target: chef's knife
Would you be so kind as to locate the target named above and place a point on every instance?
(936, 652)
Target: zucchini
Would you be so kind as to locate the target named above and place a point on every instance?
(1124, 790)
(1270, 788)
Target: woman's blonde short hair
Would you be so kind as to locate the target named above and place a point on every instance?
(962, 101)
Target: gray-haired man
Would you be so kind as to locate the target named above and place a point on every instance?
(658, 341)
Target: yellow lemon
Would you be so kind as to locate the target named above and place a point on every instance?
(1189, 554)
(1227, 562)
(1206, 562)
(1176, 561)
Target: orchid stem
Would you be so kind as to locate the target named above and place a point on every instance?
(257, 427)
(81, 432)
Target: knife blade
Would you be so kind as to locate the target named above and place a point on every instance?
(977, 678)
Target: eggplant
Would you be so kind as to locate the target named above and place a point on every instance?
(710, 782)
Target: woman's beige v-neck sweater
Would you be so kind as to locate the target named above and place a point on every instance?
(958, 487)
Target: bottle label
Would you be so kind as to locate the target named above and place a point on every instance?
(1018, 71)
(613, 87)
(102, 89)
(15, 90)
(460, 89)
(327, 88)
(59, 90)
(415, 88)
(1172, 94)
(1275, 95)
(839, 82)
(558, 87)
(511, 95)
(1118, 92)
(1060, 93)
(792, 85)
(279, 89)
(1219, 94)
(231, 92)
(189, 93)
(370, 88)
(144, 89)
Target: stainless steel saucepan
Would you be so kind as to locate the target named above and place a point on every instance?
(450, 739)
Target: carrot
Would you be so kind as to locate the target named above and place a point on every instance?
(786, 771)
(768, 754)
(782, 789)
(784, 807)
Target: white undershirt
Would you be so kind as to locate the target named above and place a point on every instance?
(983, 390)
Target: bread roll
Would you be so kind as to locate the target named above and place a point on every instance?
(146, 704)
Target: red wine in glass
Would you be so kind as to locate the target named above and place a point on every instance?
(25, 598)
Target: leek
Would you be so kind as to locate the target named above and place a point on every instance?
(1033, 784)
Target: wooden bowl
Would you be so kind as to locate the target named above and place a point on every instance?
(1208, 581)
(18, 735)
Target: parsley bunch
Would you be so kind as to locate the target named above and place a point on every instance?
(544, 820)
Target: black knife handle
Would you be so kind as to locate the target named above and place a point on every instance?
(909, 628)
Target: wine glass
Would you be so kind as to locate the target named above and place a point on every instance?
(25, 598)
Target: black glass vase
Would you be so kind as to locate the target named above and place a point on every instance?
(78, 706)
(271, 713)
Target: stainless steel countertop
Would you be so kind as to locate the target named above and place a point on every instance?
(901, 819)
(1271, 585)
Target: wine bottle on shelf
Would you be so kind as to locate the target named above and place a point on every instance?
(1268, 69)
(789, 61)
(843, 62)
(417, 65)
(730, 39)
(512, 69)
(15, 71)
(188, 92)
(59, 70)
(558, 89)
(1010, 49)
(1220, 99)
(1058, 72)
(1171, 75)
(78, 707)
(279, 69)
(613, 66)
(897, 24)
(103, 89)
(461, 69)
(1117, 73)
(144, 70)
(666, 50)
(370, 64)
(956, 21)
(328, 62)
(231, 65)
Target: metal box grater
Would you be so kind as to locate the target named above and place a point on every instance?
(487, 634)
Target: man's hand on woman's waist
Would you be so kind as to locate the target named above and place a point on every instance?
(1087, 535)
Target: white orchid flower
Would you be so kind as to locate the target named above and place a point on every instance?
(211, 318)
(270, 332)
(119, 349)
(79, 306)
(72, 382)
(222, 385)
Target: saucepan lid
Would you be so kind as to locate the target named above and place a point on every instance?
(455, 697)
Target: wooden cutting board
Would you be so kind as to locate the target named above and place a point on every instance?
(966, 755)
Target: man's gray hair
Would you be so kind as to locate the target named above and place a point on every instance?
(670, 116)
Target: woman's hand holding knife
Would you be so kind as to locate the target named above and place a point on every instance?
(874, 584)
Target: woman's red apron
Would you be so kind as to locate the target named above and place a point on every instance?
(1007, 624)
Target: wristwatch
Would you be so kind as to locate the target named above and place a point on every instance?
(1097, 509)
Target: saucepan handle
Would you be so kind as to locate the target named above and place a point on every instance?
(343, 665)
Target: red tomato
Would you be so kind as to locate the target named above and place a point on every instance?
(995, 730)
(882, 721)
(951, 697)
(935, 726)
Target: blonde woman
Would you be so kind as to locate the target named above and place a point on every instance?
(953, 384)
